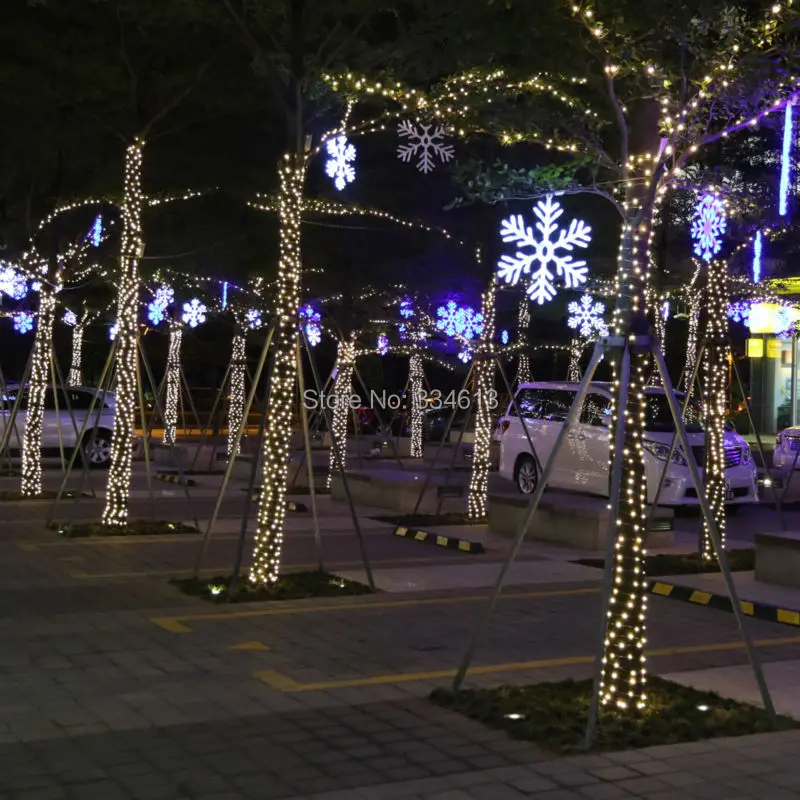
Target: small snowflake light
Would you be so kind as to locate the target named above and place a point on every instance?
(339, 166)
(23, 321)
(708, 225)
(70, 318)
(473, 323)
(426, 144)
(465, 355)
(383, 344)
(406, 308)
(164, 296)
(12, 283)
(310, 320)
(194, 313)
(587, 317)
(113, 331)
(739, 312)
(504, 337)
(403, 331)
(544, 251)
(455, 320)
(96, 232)
(155, 313)
(253, 319)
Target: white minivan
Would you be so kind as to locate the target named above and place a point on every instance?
(582, 464)
(58, 428)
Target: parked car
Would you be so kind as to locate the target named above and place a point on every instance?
(787, 443)
(582, 463)
(59, 429)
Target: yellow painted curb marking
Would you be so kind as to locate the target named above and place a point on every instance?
(790, 617)
(250, 647)
(284, 683)
(662, 589)
(700, 597)
(747, 607)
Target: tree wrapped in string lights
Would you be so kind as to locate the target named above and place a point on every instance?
(524, 374)
(342, 392)
(173, 382)
(78, 325)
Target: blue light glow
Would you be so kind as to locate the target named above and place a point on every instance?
(224, 294)
(455, 320)
(786, 154)
(70, 318)
(757, 258)
(383, 344)
(23, 321)
(310, 320)
(113, 331)
(406, 308)
(504, 337)
(708, 225)
(739, 312)
(96, 232)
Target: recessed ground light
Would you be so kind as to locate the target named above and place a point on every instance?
(514, 716)
(702, 708)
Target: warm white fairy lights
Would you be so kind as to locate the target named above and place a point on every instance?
(342, 391)
(524, 373)
(715, 386)
(173, 381)
(237, 389)
(75, 376)
(416, 384)
(575, 351)
(37, 389)
(272, 508)
(485, 398)
(115, 512)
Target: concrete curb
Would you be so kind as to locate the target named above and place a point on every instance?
(450, 542)
(722, 602)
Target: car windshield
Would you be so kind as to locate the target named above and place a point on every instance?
(659, 418)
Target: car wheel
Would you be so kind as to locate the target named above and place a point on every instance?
(97, 449)
(527, 475)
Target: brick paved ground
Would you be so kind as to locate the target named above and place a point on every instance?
(320, 699)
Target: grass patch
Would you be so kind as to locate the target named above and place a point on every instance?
(15, 495)
(135, 527)
(291, 586)
(739, 560)
(428, 520)
(554, 715)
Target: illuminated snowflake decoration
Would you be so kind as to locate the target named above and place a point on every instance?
(544, 251)
(739, 312)
(157, 307)
(504, 337)
(587, 317)
(425, 144)
(465, 355)
(164, 296)
(12, 283)
(406, 308)
(23, 321)
(455, 320)
(194, 313)
(253, 319)
(708, 225)
(403, 331)
(155, 313)
(70, 318)
(310, 320)
(383, 344)
(339, 166)
(113, 331)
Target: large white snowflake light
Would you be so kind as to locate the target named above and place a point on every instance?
(194, 313)
(12, 283)
(587, 317)
(429, 146)
(544, 251)
(708, 225)
(339, 165)
(253, 319)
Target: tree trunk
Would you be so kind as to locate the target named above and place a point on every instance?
(342, 390)
(278, 428)
(715, 385)
(486, 399)
(575, 351)
(37, 391)
(119, 473)
(523, 322)
(75, 377)
(173, 383)
(237, 379)
(416, 386)
(622, 683)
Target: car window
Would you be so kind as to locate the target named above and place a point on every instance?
(659, 416)
(596, 410)
(546, 404)
(80, 401)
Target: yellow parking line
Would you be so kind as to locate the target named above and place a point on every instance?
(284, 683)
(177, 624)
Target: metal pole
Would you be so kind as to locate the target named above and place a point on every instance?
(58, 421)
(232, 460)
(775, 495)
(536, 497)
(312, 493)
(188, 392)
(439, 449)
(615, 490)
(722, 557)
(454, 455)
(211, 417)
(338, 456)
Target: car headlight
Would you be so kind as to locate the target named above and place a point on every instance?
(661, 452)
(747, 454)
